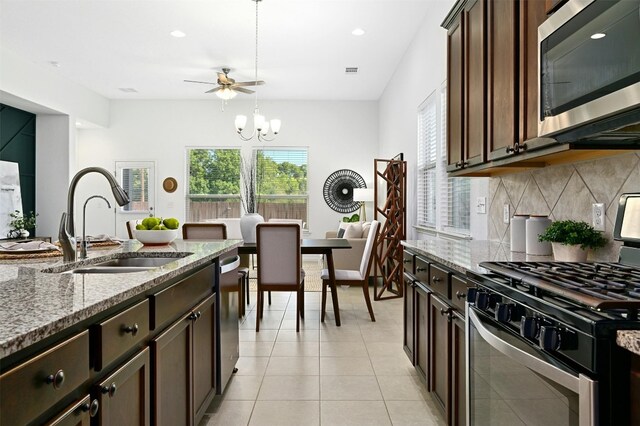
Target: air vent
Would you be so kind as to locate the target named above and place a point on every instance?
(128, 90)
(351, 70)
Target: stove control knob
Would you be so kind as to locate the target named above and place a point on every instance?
(550, 338)
(529, 327)
(504, 311)
(482, 300)
(471, 294)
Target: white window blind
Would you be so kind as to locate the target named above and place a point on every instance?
(137, 179)
(442, 202)
(427, 161)
(454, 191)
(281, 180)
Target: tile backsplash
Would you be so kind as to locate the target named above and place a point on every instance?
(566, 192)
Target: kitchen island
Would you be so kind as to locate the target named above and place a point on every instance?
(149, 330)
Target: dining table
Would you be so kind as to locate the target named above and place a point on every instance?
(324, 246)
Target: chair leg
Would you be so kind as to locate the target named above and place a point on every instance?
(247, 289)
(298, 306)
(261, 311)
(302, 300)
(365, 290)
(269, 298)
(258, 313)
(324, 299)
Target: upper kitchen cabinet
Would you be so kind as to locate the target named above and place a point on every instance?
(466, 86)
(494, 117)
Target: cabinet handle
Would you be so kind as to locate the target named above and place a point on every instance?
(194, 316)
(407, 260)
(421, 269)
(56, 380)
(462, 164)
(516, 148)
(133, 329)
(111, 390)
(92, 408)
(444, 311)
(436, 279)
(461, 294)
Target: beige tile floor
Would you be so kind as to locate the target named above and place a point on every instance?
(356, 374)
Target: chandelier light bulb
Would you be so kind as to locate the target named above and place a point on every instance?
(241, 122)
(258, 121)
(275, 126)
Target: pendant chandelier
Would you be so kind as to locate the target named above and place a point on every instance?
(260, 124)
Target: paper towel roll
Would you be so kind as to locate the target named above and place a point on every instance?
(535, 226)
(518, 232)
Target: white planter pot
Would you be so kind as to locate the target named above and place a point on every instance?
(248, 224)
(24, 233)
(566, 253)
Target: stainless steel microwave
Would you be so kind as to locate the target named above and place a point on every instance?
(589, 70)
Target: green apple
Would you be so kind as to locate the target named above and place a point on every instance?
(171, 223)
(141, 227)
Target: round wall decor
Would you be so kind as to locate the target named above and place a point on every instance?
(338, 190)
(170, 184)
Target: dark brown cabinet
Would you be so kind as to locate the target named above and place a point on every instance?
(124, 395)
(78, 414)
(440, 337)
(455, 93)
(422, 331)
(181, 393)
(435, 318)
(409, 317)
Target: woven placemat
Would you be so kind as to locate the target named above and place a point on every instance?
(96, 245)
(41, 255)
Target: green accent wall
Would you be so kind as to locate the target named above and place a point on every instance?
(18, 144)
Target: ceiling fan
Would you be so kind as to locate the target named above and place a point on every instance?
(227, 86)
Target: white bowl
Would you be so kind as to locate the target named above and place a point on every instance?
(155, 238)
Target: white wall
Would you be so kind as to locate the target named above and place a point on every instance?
(421, 71)
(338, 135)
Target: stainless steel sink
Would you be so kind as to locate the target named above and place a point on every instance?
(120, 265)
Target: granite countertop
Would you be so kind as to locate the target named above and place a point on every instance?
(465, 255)
(630, 340)
(37, 304)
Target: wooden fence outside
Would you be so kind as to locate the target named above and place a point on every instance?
(201, 211)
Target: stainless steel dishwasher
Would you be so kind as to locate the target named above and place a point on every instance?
(227, 333)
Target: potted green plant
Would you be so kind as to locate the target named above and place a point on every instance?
(21, 223)
(571, 240)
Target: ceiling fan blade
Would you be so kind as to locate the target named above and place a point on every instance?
(215, 89)
(249, 83)
(194, 81)
(241, 90)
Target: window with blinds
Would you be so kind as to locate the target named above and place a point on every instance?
(442, 202)
(213, 190)
(427, 161)
(281, 180)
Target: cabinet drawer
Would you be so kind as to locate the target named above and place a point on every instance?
(422, 269)
(79, 414)
(174, 301)
(459, 292)
(407, 262)
(439, 280)
(117, 335)
(32, 387)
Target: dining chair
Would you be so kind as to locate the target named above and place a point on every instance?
(217, 231)
(279, 264)
(358, 277)
(131, 225)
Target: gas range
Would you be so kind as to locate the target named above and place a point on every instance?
(565, 315)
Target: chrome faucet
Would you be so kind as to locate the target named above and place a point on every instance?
(67, 232)
(84, 244)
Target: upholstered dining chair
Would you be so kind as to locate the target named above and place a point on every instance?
(279, 264)
(217, 231)
(355, 277)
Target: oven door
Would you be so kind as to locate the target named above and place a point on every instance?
(511, 382)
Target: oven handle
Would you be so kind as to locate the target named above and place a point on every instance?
(535, 364)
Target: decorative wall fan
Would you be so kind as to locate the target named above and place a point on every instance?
(227, 86)
(338, 190)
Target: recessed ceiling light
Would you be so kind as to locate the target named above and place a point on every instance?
(54, 64)
(351, 70)
(358, 32)
(596, 36)
(177, 33)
